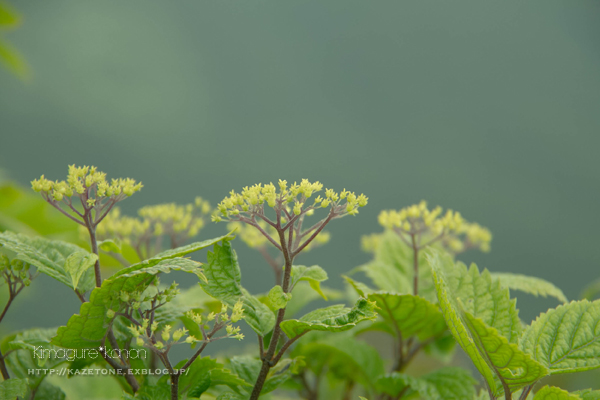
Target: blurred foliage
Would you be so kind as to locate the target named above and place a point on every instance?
(23, 211)
(9, 56)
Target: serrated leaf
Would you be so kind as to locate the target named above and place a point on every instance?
(77, 264)
(48, 256)
(482, 296)
(386, 277)
(224, 278)
(332, 319)
(493, 355)
(554, 393)
(11, 388)
(529, 284)
(567, 338)
(410, 315)
(449, 383)
(314, 275)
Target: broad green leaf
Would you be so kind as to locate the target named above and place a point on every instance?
(47, 391)
(48, 256)
(410, 315)
(77, 264)
(332, 319)
(88, 328)
(512, 365)
(313, 275)
(588, 394)
(491, 352)
(567, 338)
(449, 383)
(231, 396)
(36, 341)
(248, 368)
(482, 296)
(529, 284)
(110, 246)
(342, 355)
(224, 279)
(277, 298)
(11, 388)
(554, 393)
(205, 373)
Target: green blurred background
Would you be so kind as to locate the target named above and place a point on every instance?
(489, 108)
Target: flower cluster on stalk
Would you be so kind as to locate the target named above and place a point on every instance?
(95, 194)
(433, 226)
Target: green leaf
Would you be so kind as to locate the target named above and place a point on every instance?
(205, 373)
(11, 388)
(482, 296)
(567, 338)
(224, 283)
(410, 315)
(332, 319)
(248, 368)
(77, 264)
(110, 246)
(591, 291)
(343, 355)
(491, 352)
(554, 393)
(529, 284)
(277, 298)
(588, 394)
(360, 288)
(449, 383)
(313, 275)
(386, 277)
(48, 256)
(88, 328)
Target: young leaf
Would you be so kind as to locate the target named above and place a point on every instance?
(48, 256)
(77, 264)
(224, 283)
(529, 284)
(303, 294)
(410, 315)
(332, 319)
(554, 393)
(313, 275)
(493, 355)
(11, 388)
(111, 246)
(567, 338)
(277, 298)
